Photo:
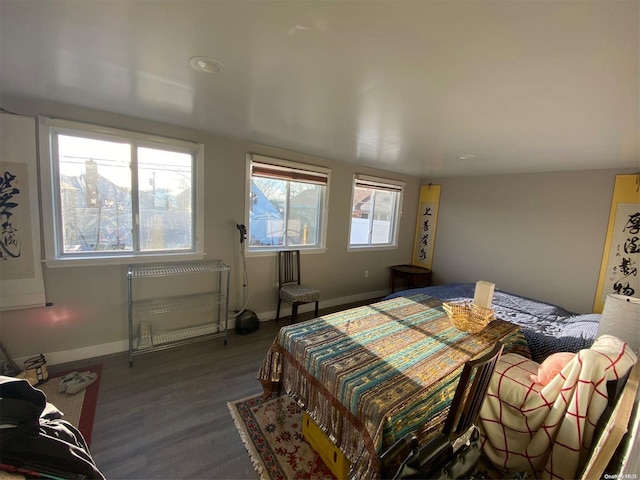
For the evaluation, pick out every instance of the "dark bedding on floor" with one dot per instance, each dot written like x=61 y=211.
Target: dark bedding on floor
x=547 y=328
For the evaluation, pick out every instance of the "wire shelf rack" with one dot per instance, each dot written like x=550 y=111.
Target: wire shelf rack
x=214 y=302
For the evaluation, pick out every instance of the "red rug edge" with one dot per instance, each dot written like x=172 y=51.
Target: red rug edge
x=88 y=413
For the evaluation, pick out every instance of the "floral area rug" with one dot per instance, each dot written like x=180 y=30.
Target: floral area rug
x=272 y=433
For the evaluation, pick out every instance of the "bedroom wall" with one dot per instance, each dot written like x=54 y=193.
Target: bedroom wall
x=88 y=316
x=539 y=235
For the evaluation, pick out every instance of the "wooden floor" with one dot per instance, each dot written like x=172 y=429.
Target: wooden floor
x=167 y=417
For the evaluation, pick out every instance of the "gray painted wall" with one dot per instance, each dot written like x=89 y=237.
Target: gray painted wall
x=89 y=315
x=540 y=235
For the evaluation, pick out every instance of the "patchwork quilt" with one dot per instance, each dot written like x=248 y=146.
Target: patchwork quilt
x=372 y=374
x=547 y=328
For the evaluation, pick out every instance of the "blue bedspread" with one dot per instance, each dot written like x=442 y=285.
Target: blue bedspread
x=547 y=328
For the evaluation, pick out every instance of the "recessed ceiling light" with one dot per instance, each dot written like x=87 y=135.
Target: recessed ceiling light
x=207 y=65
x=466 y=157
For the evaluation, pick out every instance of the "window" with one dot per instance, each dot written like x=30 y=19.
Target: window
x=375 y=212
x=119 y=194
x=287 y=204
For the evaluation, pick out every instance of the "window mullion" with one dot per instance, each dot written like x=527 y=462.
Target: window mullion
x=372 y=215
x=135 y=199
x=58 y=228
x=286 y=215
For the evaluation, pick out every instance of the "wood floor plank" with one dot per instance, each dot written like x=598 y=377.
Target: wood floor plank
x=167 y=417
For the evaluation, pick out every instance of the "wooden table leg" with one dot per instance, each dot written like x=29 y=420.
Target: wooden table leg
x=269 y=388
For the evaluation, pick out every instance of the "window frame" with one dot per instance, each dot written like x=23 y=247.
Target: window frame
x=50 y=188
x=302 y=168
x=361 y=180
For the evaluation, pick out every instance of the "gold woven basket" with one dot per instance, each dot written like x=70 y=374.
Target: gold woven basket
x=467 y=316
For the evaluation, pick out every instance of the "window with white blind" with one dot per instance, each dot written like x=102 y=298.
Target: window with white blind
x=287 y=204
x=116 y=196
x=375 y=212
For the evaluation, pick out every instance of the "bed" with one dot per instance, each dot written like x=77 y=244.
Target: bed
x=547 y=328
x=369 y=375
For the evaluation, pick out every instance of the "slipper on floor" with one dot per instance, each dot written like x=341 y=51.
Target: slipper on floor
x=82 y=381
x=62 y=386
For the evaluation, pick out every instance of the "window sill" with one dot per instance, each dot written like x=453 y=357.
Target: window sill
x=121 y=260
x=368 y=248
x=271 y=252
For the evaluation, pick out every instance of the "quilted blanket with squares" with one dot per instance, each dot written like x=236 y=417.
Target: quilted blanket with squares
x=547 y=431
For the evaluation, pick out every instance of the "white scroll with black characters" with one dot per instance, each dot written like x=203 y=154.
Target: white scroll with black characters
x=426 y=225
x=21 y=281
x=621 y=257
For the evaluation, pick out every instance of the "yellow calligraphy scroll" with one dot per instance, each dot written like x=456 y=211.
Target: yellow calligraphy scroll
x=426 y=225
x=621 y=257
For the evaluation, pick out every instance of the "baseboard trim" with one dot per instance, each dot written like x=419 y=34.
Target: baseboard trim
x=334 y=302
x=65 y=356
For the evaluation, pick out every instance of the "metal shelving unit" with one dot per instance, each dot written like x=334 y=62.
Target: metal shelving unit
x=143 y=338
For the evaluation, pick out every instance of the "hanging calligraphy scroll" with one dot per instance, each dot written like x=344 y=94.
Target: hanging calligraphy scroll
x=21 y=281
x=619 y=270
x=426 y=225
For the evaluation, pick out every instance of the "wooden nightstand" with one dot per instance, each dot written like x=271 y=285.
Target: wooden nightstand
x=414 y=275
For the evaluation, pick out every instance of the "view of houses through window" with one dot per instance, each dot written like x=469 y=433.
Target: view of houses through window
x=113 y=193
x=95 y=194
x=375 y=212
x=97 y=201
x=287 y=204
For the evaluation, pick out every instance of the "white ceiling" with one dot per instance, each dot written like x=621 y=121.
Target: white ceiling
x=407 y=86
